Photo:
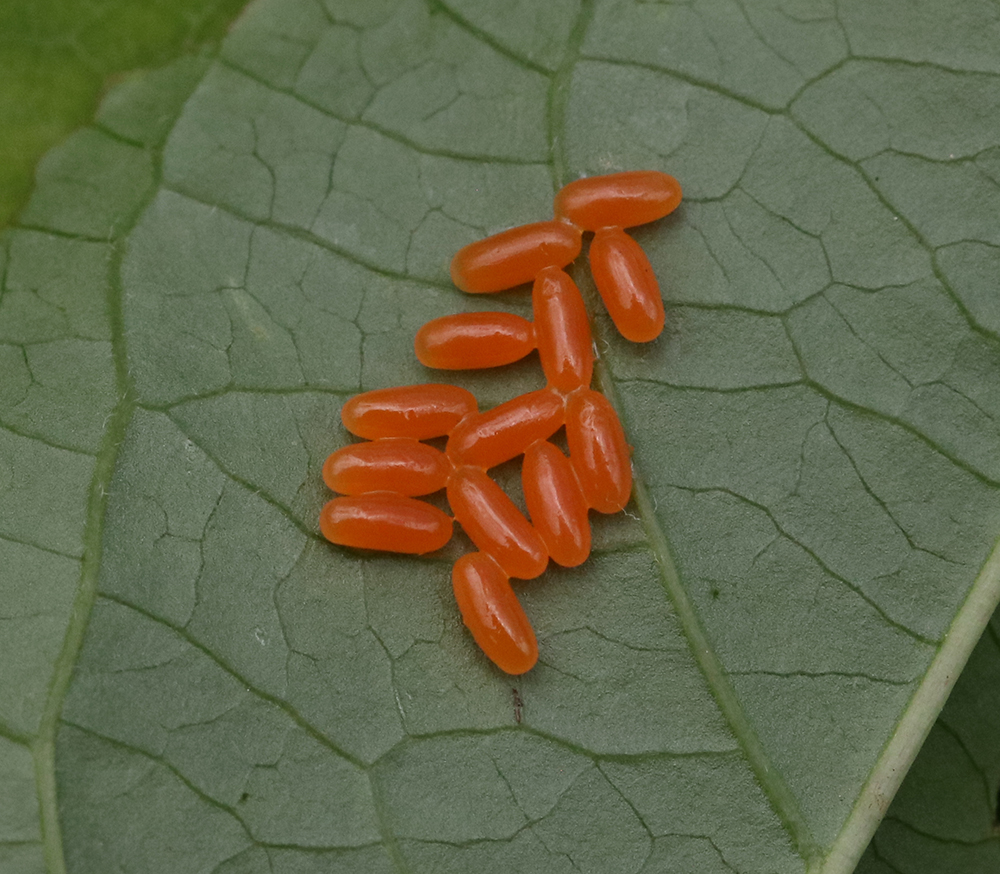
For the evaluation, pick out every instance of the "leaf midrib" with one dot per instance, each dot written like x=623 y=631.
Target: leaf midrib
x=772 y=782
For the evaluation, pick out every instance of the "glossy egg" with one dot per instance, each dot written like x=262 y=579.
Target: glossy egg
x=498 y=435
x=619 y=200
x=468 y=341
x=514 y=257
x=416 y=411
x=598 y=451
x=493 y=614
x=556 y=504
x=562 y=330
x=495 y=525
x=397 y=464
x=628 y=286
x=385 y=521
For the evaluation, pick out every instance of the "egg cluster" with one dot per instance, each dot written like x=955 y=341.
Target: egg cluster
x=383 y=478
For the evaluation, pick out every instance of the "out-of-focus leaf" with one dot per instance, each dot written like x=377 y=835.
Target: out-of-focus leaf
x=58 y=55
x=945 y=817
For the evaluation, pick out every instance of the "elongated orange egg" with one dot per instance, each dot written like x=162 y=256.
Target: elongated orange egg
x=562 y=330
x=619 y=200
x=515 y=256
x=493 y=614
x=385 y=521
x=468 y=341
x=556 y=504
x=628 y=286
x=495 y=525
x=498 y=435
x=598 y=451
x=417 y=411
x=396 y=464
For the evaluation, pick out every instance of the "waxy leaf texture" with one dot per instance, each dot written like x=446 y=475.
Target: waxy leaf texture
x=737 y=679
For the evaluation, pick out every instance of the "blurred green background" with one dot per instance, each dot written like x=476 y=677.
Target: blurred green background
x=57 y=57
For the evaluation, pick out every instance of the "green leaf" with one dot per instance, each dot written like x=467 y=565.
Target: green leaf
x=737 y=679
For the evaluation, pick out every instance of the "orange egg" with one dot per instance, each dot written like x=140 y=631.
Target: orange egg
x=619 y=200
x=498 y=435
x=628 y=286
x=468 y=341
x=417 y=411
x=556 y=504
x=598 y=451
x=396 y=464
x=493 y=614
x=562 y=330
x=385 y=521
x=495 y=525
x=514 y=257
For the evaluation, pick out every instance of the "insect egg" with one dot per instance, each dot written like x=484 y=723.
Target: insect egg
x=556 y=504
x=385 y=521
x=495 y=525
x=417 y=411
x=398 y=464
x=514 y=257
x=498 y=435
x=628 y=286
x=468 y=341
x=598 y=451
x=493 y=614
x=619 y=200
x=562 y=330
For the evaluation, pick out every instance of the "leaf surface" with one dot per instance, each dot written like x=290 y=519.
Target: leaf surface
x=738 y=677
